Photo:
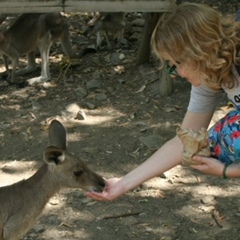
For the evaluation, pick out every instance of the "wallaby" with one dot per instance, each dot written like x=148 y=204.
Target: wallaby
x=32 y=30
x=22 y=203
x=113 y=22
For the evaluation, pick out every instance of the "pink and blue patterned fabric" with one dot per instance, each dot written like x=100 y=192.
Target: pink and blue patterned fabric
x=224 y=138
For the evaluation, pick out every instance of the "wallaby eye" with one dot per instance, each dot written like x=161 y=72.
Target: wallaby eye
x=78 y=173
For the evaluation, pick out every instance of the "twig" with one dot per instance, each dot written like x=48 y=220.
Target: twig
x=151 y=80
x=66 y=225
x=61 y=71
x=216 y=217
x=121 y=215
x=98 y=64
x=65 y=72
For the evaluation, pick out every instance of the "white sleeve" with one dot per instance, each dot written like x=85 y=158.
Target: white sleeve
x=204 y=99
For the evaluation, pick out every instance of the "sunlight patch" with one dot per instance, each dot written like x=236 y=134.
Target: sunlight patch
x=90 y=117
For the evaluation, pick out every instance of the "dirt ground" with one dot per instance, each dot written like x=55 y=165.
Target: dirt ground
x=115 y=120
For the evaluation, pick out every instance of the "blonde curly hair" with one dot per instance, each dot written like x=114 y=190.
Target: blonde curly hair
x=198 y=34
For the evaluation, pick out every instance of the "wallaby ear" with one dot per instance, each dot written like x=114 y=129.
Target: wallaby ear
x=54 y=155
x=57 y=135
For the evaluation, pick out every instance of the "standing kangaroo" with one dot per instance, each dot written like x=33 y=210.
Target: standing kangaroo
x=31 y=31
x=22 y=203
x=113 y=22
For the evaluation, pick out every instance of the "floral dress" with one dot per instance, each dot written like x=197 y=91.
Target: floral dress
x=224 y=138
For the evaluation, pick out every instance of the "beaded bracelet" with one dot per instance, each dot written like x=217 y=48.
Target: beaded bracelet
x=224 y=170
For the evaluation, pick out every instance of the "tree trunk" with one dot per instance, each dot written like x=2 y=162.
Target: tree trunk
x=144 y=52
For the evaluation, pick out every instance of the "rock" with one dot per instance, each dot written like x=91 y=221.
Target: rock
x=208 y=200
x=93 y=84
x=80 y=115
x=81 y=92
x=152 y=141
x=38 y=228
x=101 y=97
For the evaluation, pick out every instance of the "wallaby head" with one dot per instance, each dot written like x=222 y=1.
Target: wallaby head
x=69 y=170
x=111 y=21
x=93 y=26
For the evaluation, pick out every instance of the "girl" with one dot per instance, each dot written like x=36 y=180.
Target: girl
x=199 y=45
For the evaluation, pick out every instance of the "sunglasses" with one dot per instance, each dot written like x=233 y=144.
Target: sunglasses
x=171 y=70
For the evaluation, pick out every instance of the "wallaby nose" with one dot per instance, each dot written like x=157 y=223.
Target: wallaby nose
x=101 y=185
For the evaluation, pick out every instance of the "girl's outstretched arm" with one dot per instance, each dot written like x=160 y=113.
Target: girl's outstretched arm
x=165 y=158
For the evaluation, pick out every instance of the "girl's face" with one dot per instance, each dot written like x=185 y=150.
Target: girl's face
x=184 y=70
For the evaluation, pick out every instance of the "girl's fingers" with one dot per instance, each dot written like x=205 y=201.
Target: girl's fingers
x=200 y=159
x=98 y=196
x=93 y=195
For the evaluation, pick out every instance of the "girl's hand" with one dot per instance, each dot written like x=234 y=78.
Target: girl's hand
x=112 y=190
x=208 y=165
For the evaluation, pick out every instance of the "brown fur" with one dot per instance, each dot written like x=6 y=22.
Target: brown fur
x=22 y=203
x=31 y=31
x=113 y=22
